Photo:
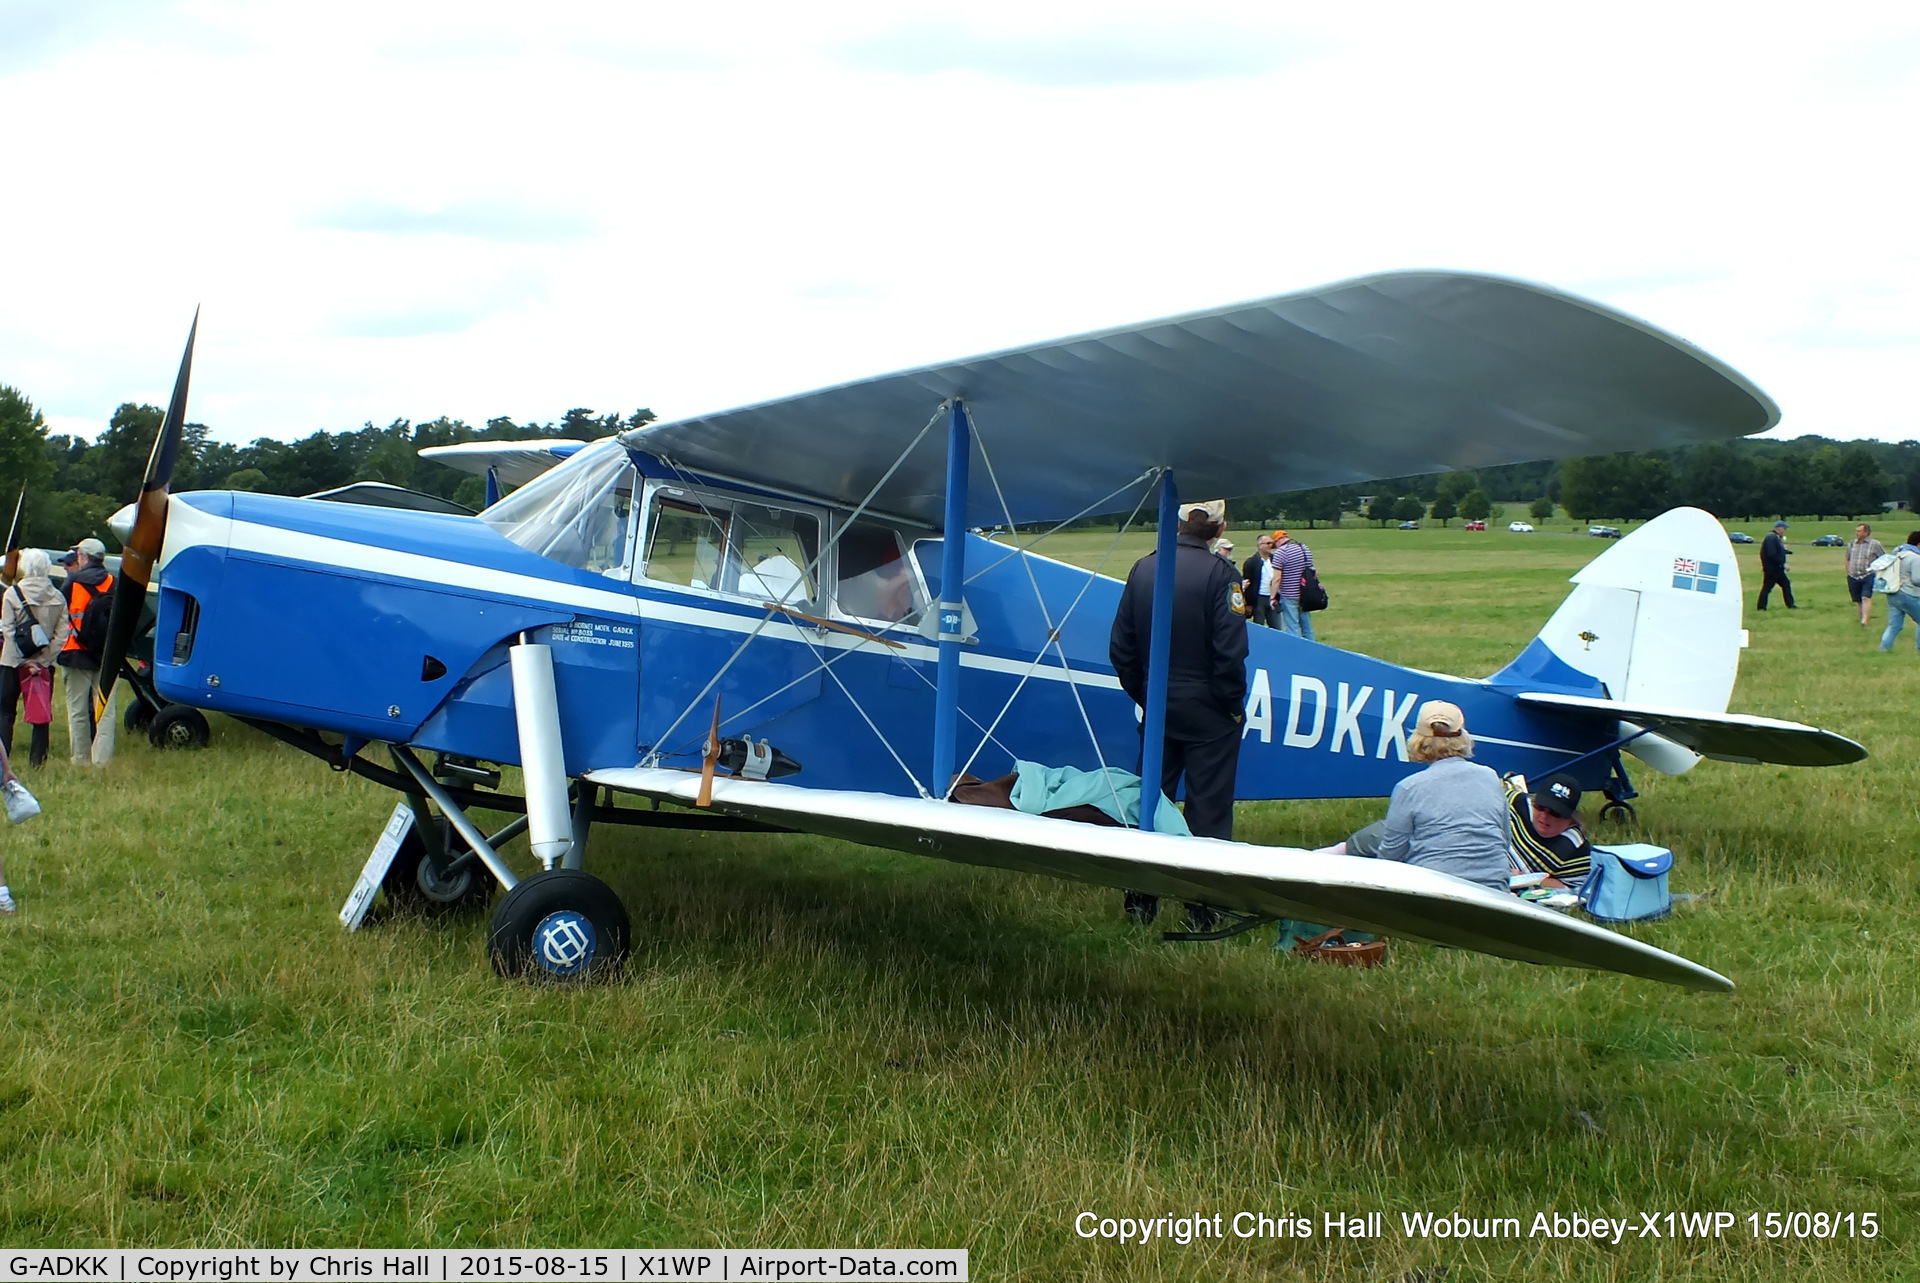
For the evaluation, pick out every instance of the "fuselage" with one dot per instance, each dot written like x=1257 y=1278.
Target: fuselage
x=654 y=592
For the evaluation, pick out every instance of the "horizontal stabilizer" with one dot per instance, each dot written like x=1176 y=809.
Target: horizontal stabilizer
x=514 y=462
x=1725 y=737
x=1377 y=895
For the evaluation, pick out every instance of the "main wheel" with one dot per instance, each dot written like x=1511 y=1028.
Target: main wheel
x=138 y=717
x=178 y=726
x=1619 y=812
x=562 y=925
x=412 y=882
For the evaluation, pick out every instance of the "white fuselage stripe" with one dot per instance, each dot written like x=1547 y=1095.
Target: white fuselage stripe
x=188 y=527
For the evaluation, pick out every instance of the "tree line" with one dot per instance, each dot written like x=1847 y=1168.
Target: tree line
x=73 y=485
x=1743 y=479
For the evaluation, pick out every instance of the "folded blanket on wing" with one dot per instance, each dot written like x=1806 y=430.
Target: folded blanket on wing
x=1109 y=797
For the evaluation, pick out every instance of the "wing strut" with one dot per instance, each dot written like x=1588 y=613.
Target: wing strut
x=1159 y=650
x=953 y=574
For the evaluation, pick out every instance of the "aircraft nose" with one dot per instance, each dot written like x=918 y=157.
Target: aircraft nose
x=121 y=522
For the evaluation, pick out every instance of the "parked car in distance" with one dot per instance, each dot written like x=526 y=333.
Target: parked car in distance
x=1604 y=532
x=1740 y=536
x=1830 y=541
x=1520 y=527
x=1476 y=525
x=1409 y=525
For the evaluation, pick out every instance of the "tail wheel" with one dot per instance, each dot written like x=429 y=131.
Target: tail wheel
x=178 y=726
x=412 y=881
x=564 y=926
x=1619 y=812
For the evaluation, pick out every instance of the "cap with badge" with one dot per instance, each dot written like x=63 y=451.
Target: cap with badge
x=1558 y=795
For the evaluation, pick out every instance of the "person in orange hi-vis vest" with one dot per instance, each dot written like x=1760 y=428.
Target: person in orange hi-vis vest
x=87 y=578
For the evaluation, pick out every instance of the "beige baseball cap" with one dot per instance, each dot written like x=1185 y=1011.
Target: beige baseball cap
x=1438 y=717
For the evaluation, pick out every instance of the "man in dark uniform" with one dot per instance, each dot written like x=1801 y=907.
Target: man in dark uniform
x=1773 y=565
x=1206 y=679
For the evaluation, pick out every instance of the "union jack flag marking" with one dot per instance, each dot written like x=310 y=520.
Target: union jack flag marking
x=1685 y=566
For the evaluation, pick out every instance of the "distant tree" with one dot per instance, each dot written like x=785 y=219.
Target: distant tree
x=1860 y=484
x=1647 y=486
x=1595 y=486
x=1314 y=506
x=1541 y=508
x=116 y=463
x=1719 y=481
x=1409 y=508
x=23 y=447
x=246 y=479
x=1783 y=485
x=1455 y=486
x=1381 y=509
x=63 y=518
x=1444 y=509
x=1476 y=506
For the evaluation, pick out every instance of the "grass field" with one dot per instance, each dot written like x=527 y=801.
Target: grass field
x=823 y=1045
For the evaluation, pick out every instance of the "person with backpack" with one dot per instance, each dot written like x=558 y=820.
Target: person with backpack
x=89 y=591
x=1292 y=564
x=33 y=629
x=1903 y=602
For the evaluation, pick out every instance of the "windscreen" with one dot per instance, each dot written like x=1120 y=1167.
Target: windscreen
x=578 y=514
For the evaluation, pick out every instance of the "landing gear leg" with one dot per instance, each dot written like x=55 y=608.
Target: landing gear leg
x=583 y=799
x=1619 y=790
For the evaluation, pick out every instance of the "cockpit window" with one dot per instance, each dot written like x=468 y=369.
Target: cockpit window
x=699 y=539
x=685 y=545
x=875 y=581
x=579 y=513
x=774 y=551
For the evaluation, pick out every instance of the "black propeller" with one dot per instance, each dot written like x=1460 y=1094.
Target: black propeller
x=12 y=568
x=142 y=548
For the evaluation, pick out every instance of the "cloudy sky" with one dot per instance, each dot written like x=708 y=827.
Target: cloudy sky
x=402 y=209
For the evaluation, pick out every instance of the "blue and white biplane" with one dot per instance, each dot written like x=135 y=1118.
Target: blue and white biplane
x=777 y=617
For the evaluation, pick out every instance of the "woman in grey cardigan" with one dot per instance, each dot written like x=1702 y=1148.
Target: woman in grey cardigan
x=1451 y=817
x=31 y=600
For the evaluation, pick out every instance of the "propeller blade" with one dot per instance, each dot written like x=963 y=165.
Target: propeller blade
x=12 y=568
x=143 y=543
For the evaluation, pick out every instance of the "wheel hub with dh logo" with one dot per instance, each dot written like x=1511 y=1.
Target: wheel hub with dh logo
x=565 y=943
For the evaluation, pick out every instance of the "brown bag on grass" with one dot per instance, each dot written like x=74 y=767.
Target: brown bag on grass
x=1329 y=947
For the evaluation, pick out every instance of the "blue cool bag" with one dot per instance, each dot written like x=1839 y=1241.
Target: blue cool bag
x=1628 y=883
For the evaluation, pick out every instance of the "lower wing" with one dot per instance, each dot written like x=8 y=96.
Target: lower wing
x=1726 y=737
x=1375 y=895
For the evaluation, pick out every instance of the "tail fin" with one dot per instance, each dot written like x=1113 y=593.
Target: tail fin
x=1657 y=616
x=1654 y=620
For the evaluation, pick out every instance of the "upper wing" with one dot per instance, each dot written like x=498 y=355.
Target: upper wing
x=1378 y=895
x=379 y=494
x=1389 y=375
x=1727 y=737
x=514 y=462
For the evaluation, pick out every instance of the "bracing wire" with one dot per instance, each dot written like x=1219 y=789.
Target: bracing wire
x=1038 y=658
x=885 y=743
x=1096 y=506
x=807 y=576
x=1053 y=631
